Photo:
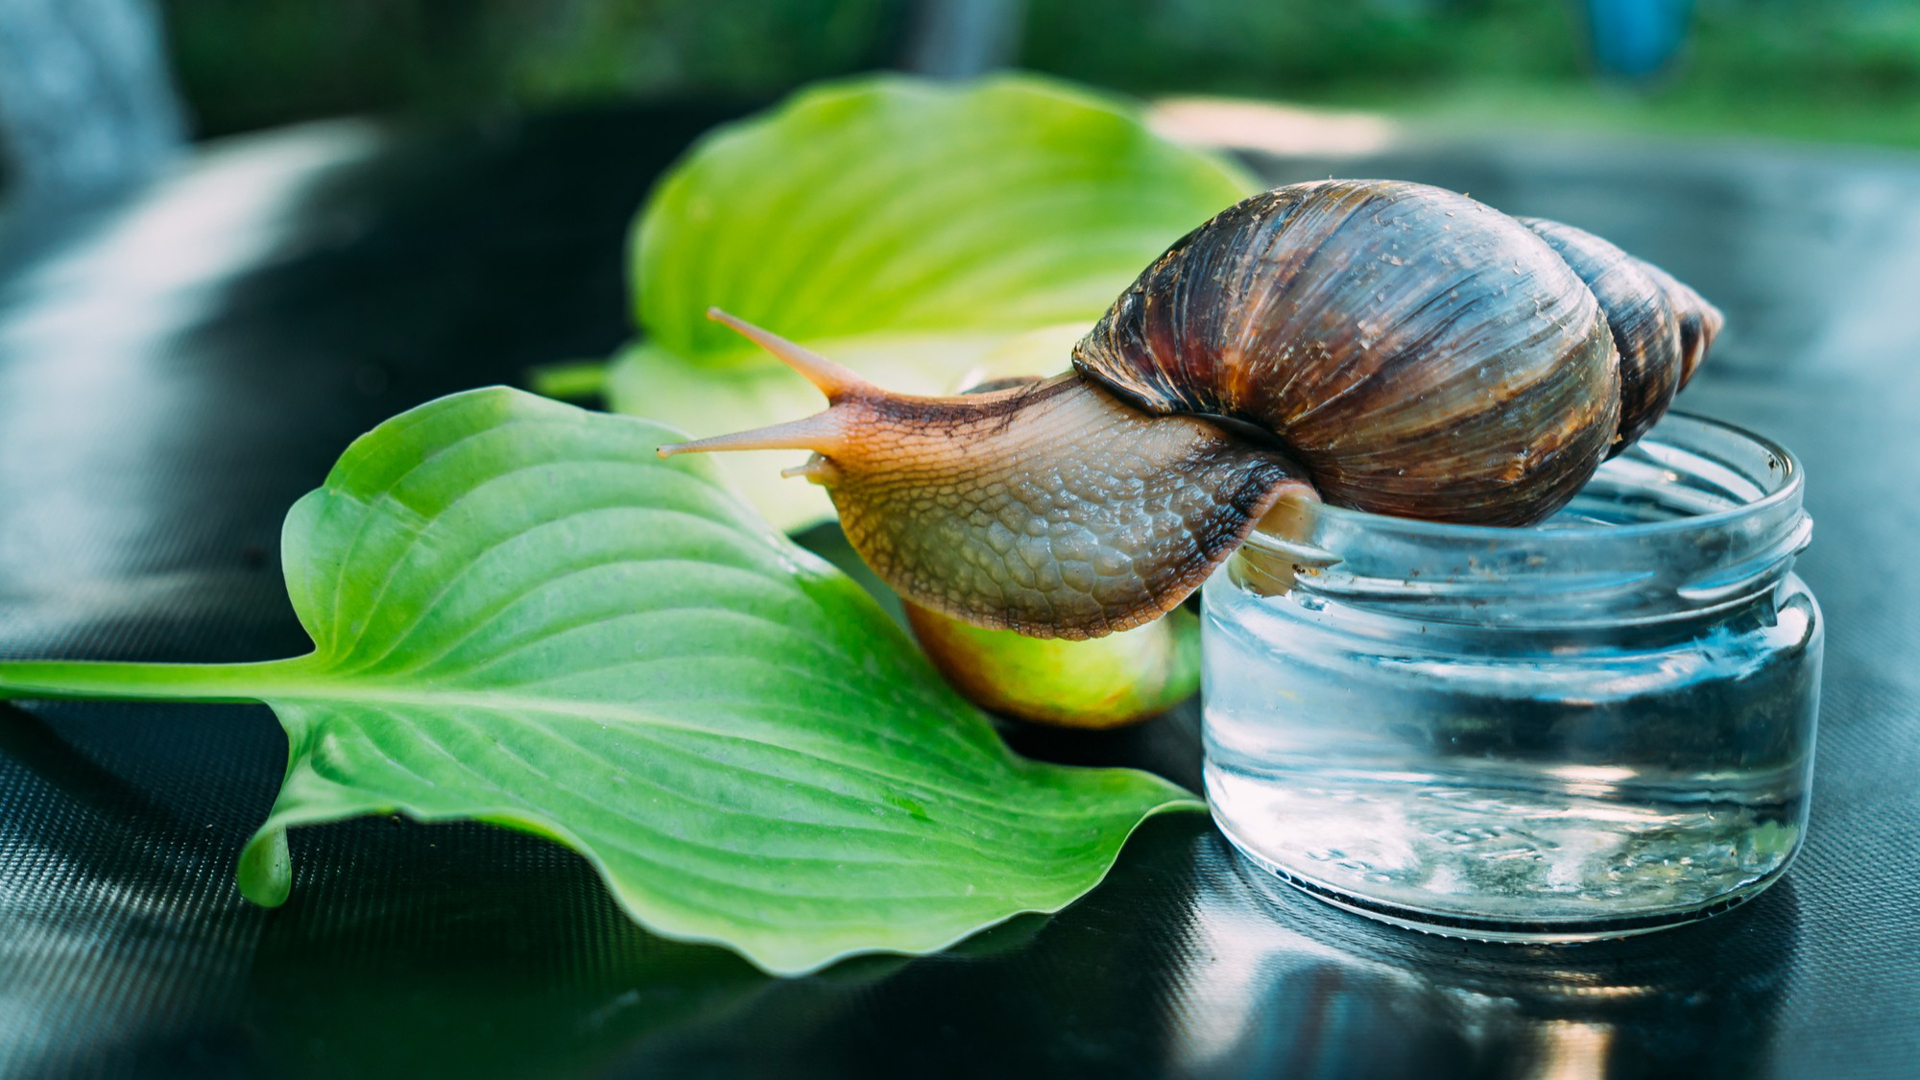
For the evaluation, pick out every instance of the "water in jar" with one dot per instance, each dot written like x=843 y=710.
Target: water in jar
x=1537 y=785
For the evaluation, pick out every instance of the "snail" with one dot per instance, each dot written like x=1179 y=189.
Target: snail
x=1383 y=345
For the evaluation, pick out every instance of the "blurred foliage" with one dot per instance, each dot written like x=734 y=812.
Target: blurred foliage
x=1839 y=70
x=251 y=63
x=1301 y=48
x=1836 y=70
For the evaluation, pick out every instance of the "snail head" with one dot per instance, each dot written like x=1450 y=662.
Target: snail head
x=1050 y=508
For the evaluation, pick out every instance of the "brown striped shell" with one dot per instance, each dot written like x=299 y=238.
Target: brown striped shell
x=1382 y=345
x=1417 y=352
x=1661 y=328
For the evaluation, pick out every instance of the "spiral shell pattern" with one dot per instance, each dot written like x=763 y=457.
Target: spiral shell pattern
x=1418 y=353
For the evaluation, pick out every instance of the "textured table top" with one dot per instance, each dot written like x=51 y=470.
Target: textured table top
x=176 y=368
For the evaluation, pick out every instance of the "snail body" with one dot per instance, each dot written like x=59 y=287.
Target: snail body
x=1383 y=345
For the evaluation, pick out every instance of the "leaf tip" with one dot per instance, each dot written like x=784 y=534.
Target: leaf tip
x=265 y=873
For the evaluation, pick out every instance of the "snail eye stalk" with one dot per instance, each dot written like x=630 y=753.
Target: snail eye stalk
x=1401 y=349
x=823 y=433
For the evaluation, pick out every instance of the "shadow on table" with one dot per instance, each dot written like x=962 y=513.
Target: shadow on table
x=471 y=951
x=468 y=951
x=120 y=931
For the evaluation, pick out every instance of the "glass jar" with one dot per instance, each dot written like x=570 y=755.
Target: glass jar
x=1594 y=727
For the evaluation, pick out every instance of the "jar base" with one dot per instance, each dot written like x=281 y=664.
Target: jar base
x=1500 y=930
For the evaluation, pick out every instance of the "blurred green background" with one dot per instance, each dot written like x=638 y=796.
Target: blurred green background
x=1831 y=71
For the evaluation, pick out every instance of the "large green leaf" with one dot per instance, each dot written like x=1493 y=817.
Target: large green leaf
x=916 y=232
x=521 y=615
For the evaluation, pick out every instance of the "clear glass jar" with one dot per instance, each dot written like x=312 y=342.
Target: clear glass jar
x=1595 y=727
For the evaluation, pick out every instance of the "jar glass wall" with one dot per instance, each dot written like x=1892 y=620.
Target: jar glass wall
x=1594 y=727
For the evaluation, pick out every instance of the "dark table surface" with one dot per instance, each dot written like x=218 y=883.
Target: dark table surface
x=178 y=366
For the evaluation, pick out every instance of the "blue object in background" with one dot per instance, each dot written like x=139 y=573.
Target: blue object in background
x=87 y=101
x=1635 y=39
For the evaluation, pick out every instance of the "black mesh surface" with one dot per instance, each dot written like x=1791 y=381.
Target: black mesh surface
x=177 y=368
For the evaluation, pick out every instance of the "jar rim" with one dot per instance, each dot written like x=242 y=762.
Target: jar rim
x=1698 y=516
x=1790 y=489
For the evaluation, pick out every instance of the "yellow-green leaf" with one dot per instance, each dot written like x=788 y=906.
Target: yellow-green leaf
x=917 y=232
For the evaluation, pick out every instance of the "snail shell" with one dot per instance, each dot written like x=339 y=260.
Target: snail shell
x=1377 y=344
x=1418 y=353
x=1660 y=327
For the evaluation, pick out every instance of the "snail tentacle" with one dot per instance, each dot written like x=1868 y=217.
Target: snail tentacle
x=1399 y=349
x=1050 y=508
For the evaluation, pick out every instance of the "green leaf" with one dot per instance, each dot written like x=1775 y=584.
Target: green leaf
x=1102 y=682
x=522 y=616
x=914 y=231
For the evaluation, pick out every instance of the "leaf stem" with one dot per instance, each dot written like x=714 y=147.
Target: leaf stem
x=580 y=381
x=125 y=681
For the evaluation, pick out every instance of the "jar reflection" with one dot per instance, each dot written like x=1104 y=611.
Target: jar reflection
x=1278 y=985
